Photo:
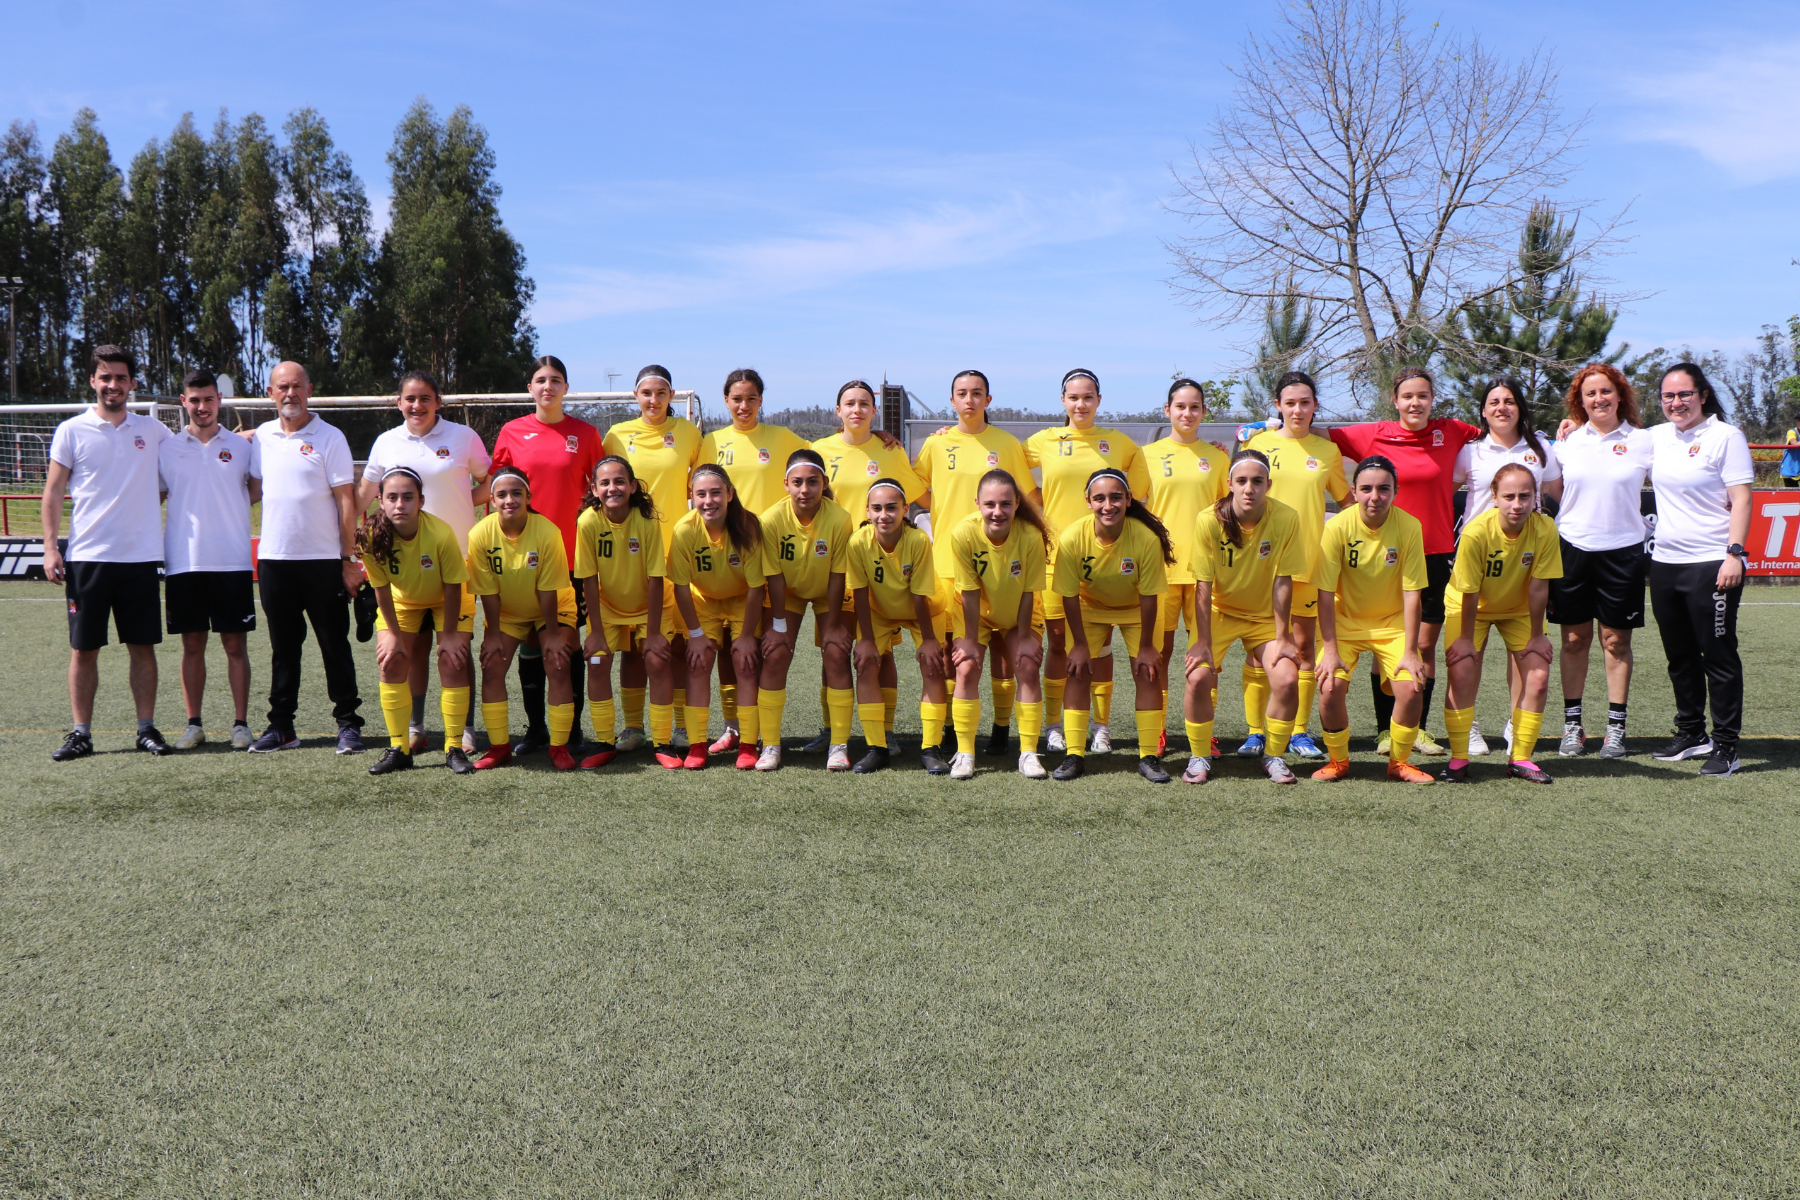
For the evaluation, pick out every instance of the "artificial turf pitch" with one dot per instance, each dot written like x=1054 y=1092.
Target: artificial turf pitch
x=225 y=975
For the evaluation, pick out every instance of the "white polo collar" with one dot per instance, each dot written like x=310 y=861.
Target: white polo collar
x=313 y=419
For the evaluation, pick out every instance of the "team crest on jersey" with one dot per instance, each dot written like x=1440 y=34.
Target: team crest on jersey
x=138 y=442
x=1530 y=459
x=1392 y=556
x=443 y=452
x=306 y=448
x=1205 y=465
x=993 y=459
x=821 y=548
x=906 y=570
x=1018 y=568
x=762 y=456
x=668 y=441
x=1437 y=437
x=631 y=545
x=572 y=443
x=1526 y=559
x=1620 y=449
x=732 y=560
x=1262 y=550
x=531 y=559
x=1693 y=451
x=1127 y=566
x=224 y=456
x=425 y=562
x=1312 y=464
x=874 y=470
x=1105 y=446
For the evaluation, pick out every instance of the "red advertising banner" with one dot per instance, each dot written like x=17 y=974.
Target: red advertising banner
x=1774 y=542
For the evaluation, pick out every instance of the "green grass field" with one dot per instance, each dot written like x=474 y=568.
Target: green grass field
x=232 y=976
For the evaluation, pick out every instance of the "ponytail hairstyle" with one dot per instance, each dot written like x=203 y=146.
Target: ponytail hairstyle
x=1080 y=373
x=640 y=499
x=1709 y=399
x=888 y=481
x=1135 y=510
x=744 y=375
x=1222 y=509
x=1521 y=403
x=1509 y=468
x=377 y=532
x=1184 y=382
x=1026 y=510
x=807 y=456
x=1376 y=462
x=653 y=371
x=742 y=528
x=854 y=383
x=425 y=378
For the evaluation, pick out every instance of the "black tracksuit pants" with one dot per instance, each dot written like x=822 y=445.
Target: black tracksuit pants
x=1699 y=635
x=295 y=591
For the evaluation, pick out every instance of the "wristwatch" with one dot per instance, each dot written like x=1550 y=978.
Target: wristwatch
x=1736 y=549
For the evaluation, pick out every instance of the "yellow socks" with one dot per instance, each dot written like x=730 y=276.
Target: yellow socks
x=662 y=724
x=840 y=703
x=495 y=719
x=1102 y=705
x=890 y=700
x=965 y=716
x=696 y=720
x=1456 y=724
x=396 y=710
x=1279 y=733
x=872 y=714
x=1150 y=726
x=1053 y=694
x=1309 y=686
x=1256 y=696
x=1526 y=726
x=728 y=701
x=678 y=707
x=601 y=713
x=1031 y=724
x=1404 y=736
x=561 y=719
x=931 y=723
x=634 y=707
x=1075 y=729
x=454 y=704
x=1006 y=692
x=1199 y=738
x=1337 y=744
x=750 y=723
x=770 y=704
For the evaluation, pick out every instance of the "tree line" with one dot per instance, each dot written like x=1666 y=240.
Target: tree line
x=240 y=248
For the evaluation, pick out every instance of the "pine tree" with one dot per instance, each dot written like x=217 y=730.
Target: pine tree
x=27 y=251
x=1287 y=330
x=87 y=196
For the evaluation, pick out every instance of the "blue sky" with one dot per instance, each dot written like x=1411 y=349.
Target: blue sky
x=833 y=190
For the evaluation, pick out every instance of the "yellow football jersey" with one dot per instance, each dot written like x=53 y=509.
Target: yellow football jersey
x=623 y=557
x=662 y=457
x=1003 y=573
x=893 y=579
x=1185 y=480
x=418 y=569
x=807 y=556
x=1065 y=457
x=1302 y=471
x=851 y=469
x=1243 y=577
x=715 y=568
x=952 y=464
x=1109 y=579
x=756 y=461
x=1371 y=569
x=1500 y=568
x=517 y=569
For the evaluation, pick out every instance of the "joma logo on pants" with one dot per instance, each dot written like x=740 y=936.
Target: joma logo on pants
x=1718 y=614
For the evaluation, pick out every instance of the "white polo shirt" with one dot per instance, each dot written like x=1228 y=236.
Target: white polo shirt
x=1477 y=462
x=299 y=516
x=449 y=458
x=208 y=490
x=112 y=480
x=1693 y=471
x=1603 y=478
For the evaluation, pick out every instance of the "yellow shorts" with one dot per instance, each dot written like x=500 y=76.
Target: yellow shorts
x=1173 y=606
x=1305 y=602
x=723 y=620
x=1228 y=628
x=1099 y=635
x=1387 y=645
x=988 y=628
x=1514 y=631
x=412 y=619
x=520 y=628
x=795 y=615
x=887 y=633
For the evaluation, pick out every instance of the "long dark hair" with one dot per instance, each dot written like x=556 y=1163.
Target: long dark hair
x=1184 y=382
x=640 y=499
x=1222 y=509
x=1135 y=510
x=1026 y=511
x=905 y=509
x=1521 y=403
x=377 y=532
x=1709 y=399
x=742 y=528
x=812 y=458
x=855 y=383
x=551 y=361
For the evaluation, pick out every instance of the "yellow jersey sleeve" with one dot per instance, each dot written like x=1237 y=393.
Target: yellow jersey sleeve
x=552 y=560
x=1331 y=554
x=1471 y=556
x=452 y=560
x=1203 y=550
x=482 y=563
x=1137 y=470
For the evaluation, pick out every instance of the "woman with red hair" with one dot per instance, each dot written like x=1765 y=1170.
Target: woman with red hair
x=1606 y=459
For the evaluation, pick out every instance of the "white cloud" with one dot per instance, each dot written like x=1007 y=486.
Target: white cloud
x=1734 y=107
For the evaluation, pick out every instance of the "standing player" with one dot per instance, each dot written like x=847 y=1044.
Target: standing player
x=1111 y=574
x=1065 y=457
x=663 y=450
x=1247 y=549
x=1423 y=450
x=453 y=464
x=893 y=586
x=619 y=568
x=106 y=458
x=419 y=571
x=558 y=453
x=306 y=569
x=716 y=566
x=952 y=463
x=1504 y=565
x=1371 y=573
x=516 y=566
x=1304 y=469
x=210 y=481
x=997 y=555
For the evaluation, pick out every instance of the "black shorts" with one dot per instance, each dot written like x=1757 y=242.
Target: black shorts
x=1438 y=568
x=1602 y=585
x=126 y=591
x=211 y=601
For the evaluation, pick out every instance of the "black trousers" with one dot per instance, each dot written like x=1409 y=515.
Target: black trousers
x=295 y=591
x=1699 y=635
